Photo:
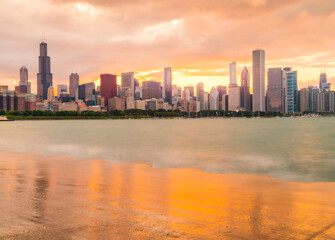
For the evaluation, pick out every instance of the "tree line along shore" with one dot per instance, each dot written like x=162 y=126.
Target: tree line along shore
x=146 y=114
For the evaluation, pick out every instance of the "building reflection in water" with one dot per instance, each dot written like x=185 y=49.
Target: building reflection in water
x=97 y=199
x=40 y=197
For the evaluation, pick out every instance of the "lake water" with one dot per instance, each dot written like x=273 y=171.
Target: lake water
x=168 y=179
x=286 y=149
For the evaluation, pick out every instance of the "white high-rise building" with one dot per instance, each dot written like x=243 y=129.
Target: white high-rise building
x=232 y=73
x=258 y=66
x=127 y=82
x=214 y=99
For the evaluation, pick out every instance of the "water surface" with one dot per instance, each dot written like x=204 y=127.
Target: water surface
x=65 y=198
x=287 y=149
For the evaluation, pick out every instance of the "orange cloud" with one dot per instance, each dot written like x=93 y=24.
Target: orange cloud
x=197 y=40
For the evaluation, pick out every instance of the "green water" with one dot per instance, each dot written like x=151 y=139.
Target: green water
x=287 y=149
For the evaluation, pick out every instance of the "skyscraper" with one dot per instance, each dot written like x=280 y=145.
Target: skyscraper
x=291 y=91
x=74 y=83
x=168 y=84
x=258 y=65
x=245 y=89
x=108 y=86
x=232 y=73
x=44 y=77
x=323 y=80
x=304 y=100
x=234 y=91
x=213 y=99
x=313 y=98
x=234 y=97
x=200 y=95
x=127 y=83
x=151 y=89
x=24 y=85
x=191 y=89
x=61 y=89
x=222 y=91
x=275 y=95
x=23 y=76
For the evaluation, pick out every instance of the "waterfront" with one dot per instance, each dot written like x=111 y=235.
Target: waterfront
x=168 y=179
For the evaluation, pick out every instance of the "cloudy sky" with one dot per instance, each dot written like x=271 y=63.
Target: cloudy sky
x=196 y=38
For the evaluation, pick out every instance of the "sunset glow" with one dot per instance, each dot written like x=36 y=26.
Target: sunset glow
x=197 y=41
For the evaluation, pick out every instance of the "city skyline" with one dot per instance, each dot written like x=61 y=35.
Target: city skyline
x=196 y=51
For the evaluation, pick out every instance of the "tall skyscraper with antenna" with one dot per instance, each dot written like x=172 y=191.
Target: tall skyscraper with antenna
x=323 y=85
x=44 y=76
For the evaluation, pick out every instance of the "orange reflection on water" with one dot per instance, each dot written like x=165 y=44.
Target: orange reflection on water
x=64 y=197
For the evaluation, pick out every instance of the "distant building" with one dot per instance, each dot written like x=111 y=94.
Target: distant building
x=191 y=90
x=69 y=106
x=108 y=87
x=325 y=87
x=176 y=95
x=168 y=85
x=74 y=84
x=140 y=104
x=151 y=89
x=116 y=103
x=155 y=104
x=222 y=91
x=213 y=99
x=323 y=80
x=30 y=102
x=326 y=101
x=206 y=99
x=51 y=94
x=245 y=89
x=23 y=76
x=275 y=95
x=304 y=100
x=3 y=88
x=291 y=91
x=61 y=89
x=13 y=101
x=130 y=103
x=200 y=95
x=232 y=73
x=313 y=93
x=44 y=77
x=224 y=103
x=127 y=82
x=21 y=89
x=234 y=97
x=86 y=92
x=137 y=90
x=258 y=65
x=24 y=85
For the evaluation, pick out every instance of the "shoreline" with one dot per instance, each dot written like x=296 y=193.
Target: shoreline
x=18 y=118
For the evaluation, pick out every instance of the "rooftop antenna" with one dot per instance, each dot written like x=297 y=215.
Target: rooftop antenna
x=43 y=37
